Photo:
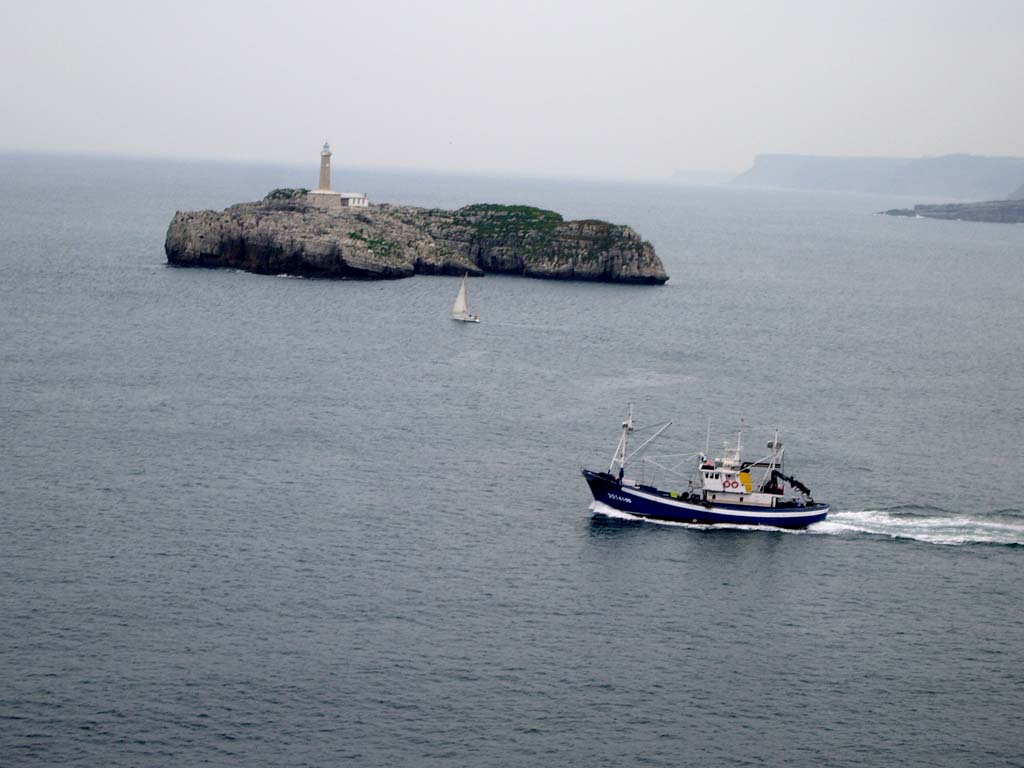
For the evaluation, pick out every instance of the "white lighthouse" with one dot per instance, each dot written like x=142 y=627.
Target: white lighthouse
x=324 y=197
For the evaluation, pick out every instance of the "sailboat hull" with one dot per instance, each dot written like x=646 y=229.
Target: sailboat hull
x=466 y=319
x=648 y=501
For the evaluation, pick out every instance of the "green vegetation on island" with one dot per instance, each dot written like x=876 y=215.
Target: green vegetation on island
x=286 y=193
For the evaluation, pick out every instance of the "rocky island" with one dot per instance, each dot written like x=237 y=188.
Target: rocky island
x=287 y=232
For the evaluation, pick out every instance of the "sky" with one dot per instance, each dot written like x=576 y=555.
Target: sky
x=591 y=89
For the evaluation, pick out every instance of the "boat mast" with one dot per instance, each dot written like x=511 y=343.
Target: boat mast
x=620 y=450
x=623 y=456
x=776 y=457
x=646 y=442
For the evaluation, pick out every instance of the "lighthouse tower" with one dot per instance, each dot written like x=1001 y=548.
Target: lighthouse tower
x=324 y=197
x=325 y=169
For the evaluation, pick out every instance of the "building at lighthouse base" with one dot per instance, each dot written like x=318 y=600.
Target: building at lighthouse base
x=326 y=198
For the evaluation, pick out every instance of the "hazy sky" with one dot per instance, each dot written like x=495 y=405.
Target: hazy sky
x=590 y=88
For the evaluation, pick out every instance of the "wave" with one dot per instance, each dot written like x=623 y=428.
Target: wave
x=929 y=525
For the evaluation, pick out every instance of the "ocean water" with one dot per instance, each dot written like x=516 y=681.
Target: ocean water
x=264 y=521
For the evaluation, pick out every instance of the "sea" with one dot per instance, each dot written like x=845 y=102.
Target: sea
x=272 y=521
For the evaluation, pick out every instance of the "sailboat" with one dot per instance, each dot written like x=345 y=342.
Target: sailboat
x=460 y=309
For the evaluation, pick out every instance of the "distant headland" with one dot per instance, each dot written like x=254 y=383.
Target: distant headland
x=963 y=177
x=322 y=233
x=1009 y=211
x=996 y=211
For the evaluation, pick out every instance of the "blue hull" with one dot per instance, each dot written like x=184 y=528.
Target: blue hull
x=647 y=501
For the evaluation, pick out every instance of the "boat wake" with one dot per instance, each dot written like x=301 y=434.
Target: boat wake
x=931 y=526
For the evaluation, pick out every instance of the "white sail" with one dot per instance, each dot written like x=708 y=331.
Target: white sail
x=460 y=309
x=461 y=306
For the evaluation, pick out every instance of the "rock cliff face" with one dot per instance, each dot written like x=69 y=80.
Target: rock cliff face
x=282 y=234
x=1000 y=211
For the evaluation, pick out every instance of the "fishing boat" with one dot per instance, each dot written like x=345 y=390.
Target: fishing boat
x=721 y=490
x=460 y=309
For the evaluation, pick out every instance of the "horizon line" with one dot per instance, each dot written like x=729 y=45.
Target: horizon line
x=112 y=155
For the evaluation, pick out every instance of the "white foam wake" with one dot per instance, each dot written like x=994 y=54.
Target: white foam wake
x=950 y=529
x=947 y=529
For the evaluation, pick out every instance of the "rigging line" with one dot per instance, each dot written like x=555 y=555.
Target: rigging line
x=661 y=424
x=648 y=441
x=673 y=456
x=670 y=470
x=667 y=456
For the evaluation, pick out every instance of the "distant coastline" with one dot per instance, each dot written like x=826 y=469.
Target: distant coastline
x=994 y=211
x=956 y=177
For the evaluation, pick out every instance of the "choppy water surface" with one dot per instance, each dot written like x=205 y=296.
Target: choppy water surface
x=258 y=521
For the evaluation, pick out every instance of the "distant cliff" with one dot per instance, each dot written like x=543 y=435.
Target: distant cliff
x=998 y=211
x=283 y=234
x=967 y=177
